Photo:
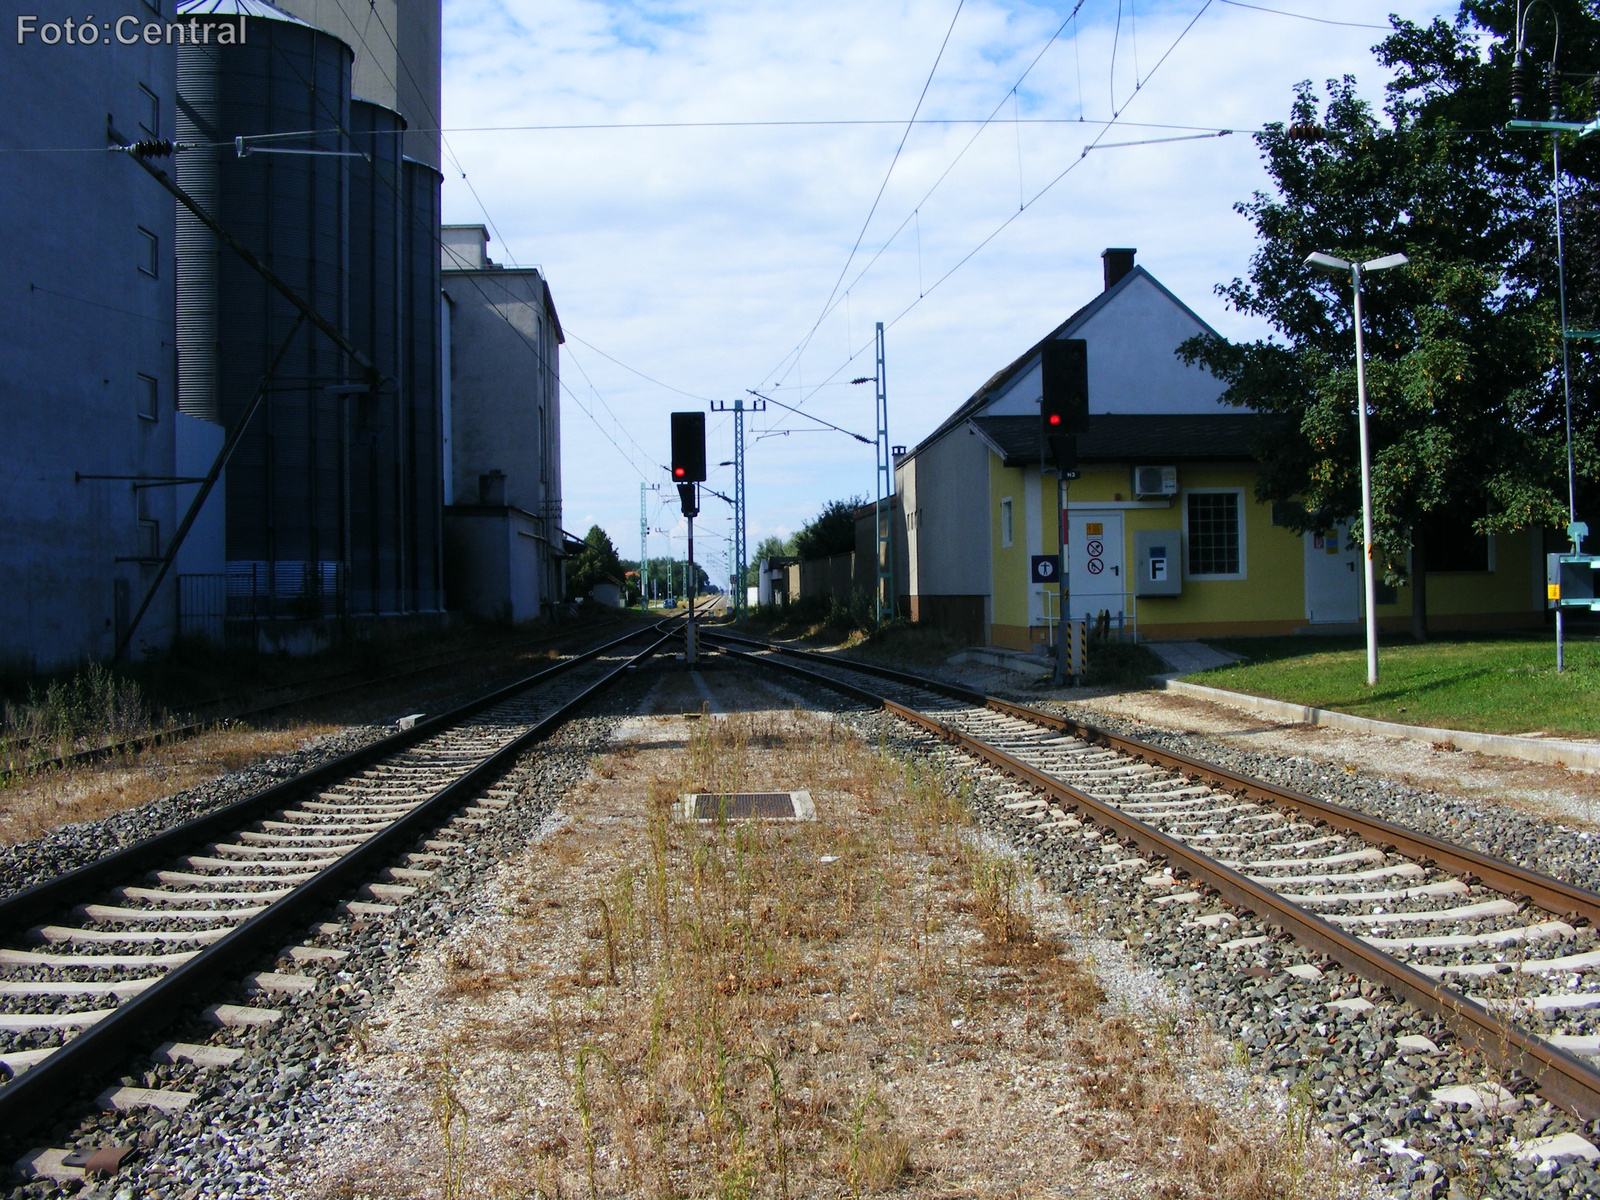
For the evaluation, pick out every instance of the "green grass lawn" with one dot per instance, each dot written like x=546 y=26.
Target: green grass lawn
x=1505 y=683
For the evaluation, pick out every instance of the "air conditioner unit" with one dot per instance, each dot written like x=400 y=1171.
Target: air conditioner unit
x=1155 y=481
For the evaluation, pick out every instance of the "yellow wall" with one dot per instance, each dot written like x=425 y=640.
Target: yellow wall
x=1505 y=596
x=1009 y=584
x=1271 y=596
x=1270 y=599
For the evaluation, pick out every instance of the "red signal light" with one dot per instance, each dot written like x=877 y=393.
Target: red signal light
x=1055 y=418
x=678 y=473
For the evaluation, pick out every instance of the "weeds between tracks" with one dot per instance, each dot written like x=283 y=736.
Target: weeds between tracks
x=875 y=1002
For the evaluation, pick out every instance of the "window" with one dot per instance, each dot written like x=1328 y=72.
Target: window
x=149 y=538
x=1214 y=533
x=149 y=112
x=1449 y=543
x=1005 y=521
x=148 y=398
x=149 y=252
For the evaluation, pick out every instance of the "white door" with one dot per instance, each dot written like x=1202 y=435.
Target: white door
x=1333 y=576
x=1098 y=579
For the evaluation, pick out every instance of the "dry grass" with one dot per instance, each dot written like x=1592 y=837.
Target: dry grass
x=862 y=1005
x=33 y=804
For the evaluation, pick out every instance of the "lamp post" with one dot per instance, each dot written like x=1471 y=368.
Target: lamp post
x=1328 y=262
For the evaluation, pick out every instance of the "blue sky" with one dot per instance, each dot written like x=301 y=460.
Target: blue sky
x=704 y=258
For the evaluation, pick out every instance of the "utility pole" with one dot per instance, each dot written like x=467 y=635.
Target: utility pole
x=644 y=534
x=1576 y=530
x=884 y=511
x=736 y=560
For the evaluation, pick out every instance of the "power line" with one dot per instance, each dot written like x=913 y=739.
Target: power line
x=1077 y=162
x=844 y=270
x=634 y=370
x=1278 y=12
x=1070 y=18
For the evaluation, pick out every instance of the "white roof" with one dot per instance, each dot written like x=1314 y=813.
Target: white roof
x=237 y=8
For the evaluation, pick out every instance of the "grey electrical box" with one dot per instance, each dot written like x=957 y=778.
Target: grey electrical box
x=1572 y=581
x=1158 y=559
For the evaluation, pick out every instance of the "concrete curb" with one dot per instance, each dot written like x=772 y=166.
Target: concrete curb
x=1582 y=755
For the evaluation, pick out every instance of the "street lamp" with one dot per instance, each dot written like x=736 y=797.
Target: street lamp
x=1328 y=262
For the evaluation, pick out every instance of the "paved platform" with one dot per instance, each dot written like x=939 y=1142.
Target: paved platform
x=1184 y=658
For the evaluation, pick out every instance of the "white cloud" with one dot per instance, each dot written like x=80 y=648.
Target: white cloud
x=702 y=257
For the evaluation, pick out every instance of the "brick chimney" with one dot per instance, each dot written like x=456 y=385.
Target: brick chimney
x=1118 y=262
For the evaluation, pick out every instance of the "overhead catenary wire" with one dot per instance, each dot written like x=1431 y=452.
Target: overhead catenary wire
x=999 y=229
x=872 y=211
x=1278 y=12
x=1071 y=19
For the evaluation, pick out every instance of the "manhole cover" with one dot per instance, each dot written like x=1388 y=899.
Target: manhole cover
x=749 y=806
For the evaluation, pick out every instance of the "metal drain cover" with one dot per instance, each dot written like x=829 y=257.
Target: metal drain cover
x=748 y=806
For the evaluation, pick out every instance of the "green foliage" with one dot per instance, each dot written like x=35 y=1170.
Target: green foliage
x=1463 y=345
x=596 y=563
x=772 y=547
x=831 y=531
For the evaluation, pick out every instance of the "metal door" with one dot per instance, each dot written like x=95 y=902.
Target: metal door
x=1333 y=577
x=1098 y=582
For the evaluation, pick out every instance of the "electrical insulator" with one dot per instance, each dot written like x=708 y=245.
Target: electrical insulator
x=1518 y=83
x=160 y=149
x=1308 y=133
x=1553 y=84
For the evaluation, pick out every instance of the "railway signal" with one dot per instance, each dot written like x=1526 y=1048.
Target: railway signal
x=1064 y=399
x=688 y=469
x=688 y=447
x=1063 y=415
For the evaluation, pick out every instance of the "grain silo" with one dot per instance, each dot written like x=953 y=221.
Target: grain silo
x=332 y=495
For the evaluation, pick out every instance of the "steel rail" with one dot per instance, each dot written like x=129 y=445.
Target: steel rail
x=60 y=1078
x=1553 y=895
x=1565 y=1081
x=26 y=907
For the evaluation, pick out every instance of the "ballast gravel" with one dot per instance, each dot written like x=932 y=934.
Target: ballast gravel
x=241 y=1137
x=73 y=846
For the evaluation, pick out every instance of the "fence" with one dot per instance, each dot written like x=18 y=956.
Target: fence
x=229 y=607
x=1101 y=622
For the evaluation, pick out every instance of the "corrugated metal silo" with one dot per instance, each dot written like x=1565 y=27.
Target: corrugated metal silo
x=287 y=501
x=378 y=476
x=424 y=566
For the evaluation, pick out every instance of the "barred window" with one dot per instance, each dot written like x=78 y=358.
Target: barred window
x=1213 y=533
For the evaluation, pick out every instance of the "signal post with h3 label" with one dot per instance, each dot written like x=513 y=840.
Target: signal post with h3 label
x=1063 y=415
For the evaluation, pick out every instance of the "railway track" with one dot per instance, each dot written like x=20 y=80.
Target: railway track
x=225 y=711
x=1506 y=957
x=95 y=964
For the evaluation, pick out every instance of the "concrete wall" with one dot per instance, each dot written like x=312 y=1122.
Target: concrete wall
x=397 y=47
x=80 y=322
x=946 y=490
x=504 y=412
x=493 y=569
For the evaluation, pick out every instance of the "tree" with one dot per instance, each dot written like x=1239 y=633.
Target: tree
x=1463 y=348
x=596 y=563
x=831 y=531
x=771 y=546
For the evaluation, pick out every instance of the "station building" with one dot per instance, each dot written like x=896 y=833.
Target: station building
x=1166 y=537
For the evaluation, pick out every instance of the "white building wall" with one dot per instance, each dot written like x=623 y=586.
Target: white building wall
x=1133 y=366
x=947 y=502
